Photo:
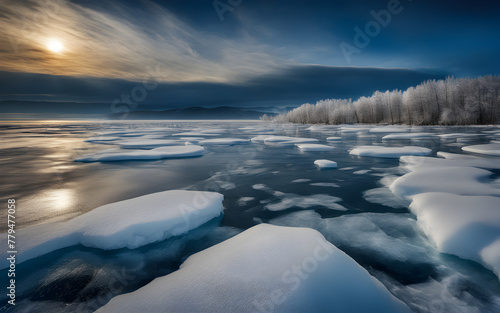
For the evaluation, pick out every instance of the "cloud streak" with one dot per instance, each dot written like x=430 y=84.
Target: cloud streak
x=112 y=40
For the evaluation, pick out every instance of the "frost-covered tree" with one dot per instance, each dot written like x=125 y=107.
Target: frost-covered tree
x=453 y=101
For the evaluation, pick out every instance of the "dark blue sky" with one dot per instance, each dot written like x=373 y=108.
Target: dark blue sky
x=239 y=53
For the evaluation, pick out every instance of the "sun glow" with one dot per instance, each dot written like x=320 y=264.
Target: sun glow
x=55 y=45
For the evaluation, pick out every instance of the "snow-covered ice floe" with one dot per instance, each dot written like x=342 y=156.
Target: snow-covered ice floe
x=456 y=203
x=325 y=164
x=129 y=224
x=149 y=143
x=409 y=136
x=453 y=179
x=334 y=139
x=313 y=147
x=466 y=226
x=389 y=129
x=224 y=141
x=154 y=154
x=488 y=149
x=449 y=159
x=264 y=269
x=285 y=140
x=389 y=152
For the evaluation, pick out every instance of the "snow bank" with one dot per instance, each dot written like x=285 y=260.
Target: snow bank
x=389 y=152
x=313 y=147
x=488 y=149
x=264 y=269
x=325 y=164
x=224 y=141
x=461 y=225
x=409 y=136
x=154 y=154
x=125 y=224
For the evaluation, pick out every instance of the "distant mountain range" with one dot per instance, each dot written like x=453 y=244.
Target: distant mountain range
x=148 y=111
x=196 y=113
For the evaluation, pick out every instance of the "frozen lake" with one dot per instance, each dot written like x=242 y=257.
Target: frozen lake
x=267 y=174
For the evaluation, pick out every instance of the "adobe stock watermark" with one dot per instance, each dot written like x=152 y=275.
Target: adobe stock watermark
x=222 y=6
x=363 y=37
x=293 y=277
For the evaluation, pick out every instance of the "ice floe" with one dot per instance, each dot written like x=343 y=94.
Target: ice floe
x=488 y=149
x=452 y=179
x=129 y=224
x=461 y=225
x=313 y=147
x=334 y=139
x=409 y=136
x=325 y=164
x=224 y=141
x=450 y=159
x=302 y=272
x=389 y=152
x=285 y=140
x=389 y=129
x=149 y=143
x=154 y=154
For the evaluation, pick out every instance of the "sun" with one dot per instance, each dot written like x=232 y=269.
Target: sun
x=55 y=45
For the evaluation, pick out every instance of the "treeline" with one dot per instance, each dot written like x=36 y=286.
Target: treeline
x=453 y=101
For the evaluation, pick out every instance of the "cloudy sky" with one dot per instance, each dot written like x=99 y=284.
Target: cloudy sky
x=179 y=53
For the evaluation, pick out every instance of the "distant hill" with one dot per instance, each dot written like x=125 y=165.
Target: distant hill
x=196 y=113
